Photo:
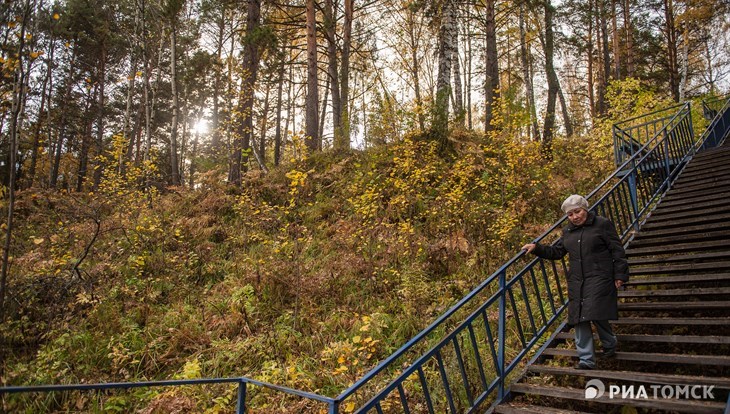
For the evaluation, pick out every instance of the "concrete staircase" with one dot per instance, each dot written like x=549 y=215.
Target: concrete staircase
x=675 y=312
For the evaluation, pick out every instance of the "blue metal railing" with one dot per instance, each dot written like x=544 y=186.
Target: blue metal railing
x=243 y=384
x=712 y=106
x=630 y=135
x=716 y=111
x=508 y=316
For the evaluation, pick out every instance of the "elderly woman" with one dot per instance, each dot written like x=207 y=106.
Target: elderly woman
x=598 y=267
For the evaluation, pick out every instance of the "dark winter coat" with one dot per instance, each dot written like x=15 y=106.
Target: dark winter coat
x=597 y=259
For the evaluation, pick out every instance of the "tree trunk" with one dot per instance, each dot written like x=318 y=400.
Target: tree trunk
x=126 y=131
x=174 y=171
x=101 y=102
x=216 y=135
x=53 y=180
x=604 y=41
x=710 y=78
x=527 y=75
x=18 y=98
x=85 y=142
x=264 y=125
x=629 y=33
x=552 y=81
x=564 y=108
x=230 y=87
x=616 y=43
x=323 y=112
x=185 y=122
x=330 y=24
x=458 y=89
x=146 y=86
x=684 y=64
x=415 y=67
x=133 y=145
x=46 y=90
x=193 y=154
x=468 y=76
x=491 y=87
x=248 y=83
x=312 y=105
x=279 y=93
x=672 y=53
x=344 y=136
x=591 y=80
x=150 y=94
x=289 y=105
x=600 y=73
x=134 y=63
x=440 y=124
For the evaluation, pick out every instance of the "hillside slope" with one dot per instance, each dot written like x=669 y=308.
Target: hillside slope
x=304 y=277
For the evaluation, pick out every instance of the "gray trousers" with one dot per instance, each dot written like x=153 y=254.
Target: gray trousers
x=584 y=340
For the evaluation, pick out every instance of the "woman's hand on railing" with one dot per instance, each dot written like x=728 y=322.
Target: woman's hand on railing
x=529 y=247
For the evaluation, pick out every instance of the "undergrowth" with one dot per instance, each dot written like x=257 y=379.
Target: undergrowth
x=305 y=277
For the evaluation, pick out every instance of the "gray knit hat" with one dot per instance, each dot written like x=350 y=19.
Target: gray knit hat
x=573 y=202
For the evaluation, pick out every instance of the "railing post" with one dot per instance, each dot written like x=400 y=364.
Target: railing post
x=633 y=193
x=667 y=167
x=502 y=329
x=241 y=404
x=334 y=407
x=616 y=152
x=693 y=148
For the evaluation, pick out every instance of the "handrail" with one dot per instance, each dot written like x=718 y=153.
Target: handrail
x=627 y=134
x=476 y=358
x=719 y=126
x=241 y=381
x=650 y=114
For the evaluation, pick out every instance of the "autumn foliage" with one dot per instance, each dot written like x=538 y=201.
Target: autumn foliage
x=304 y=277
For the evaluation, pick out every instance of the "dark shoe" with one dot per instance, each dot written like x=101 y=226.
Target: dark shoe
x=608 y=353
x=583 y=365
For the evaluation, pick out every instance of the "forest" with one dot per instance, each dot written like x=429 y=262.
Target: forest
x=291 y=190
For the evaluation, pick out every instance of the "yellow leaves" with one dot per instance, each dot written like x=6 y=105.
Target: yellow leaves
x=296 y=180
x=34 y=55
x=349 y=407
x=56 y=16
x=38 y=240
x=84 y=298
x=356 y=339
x=292 y=373
x=191 y=370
